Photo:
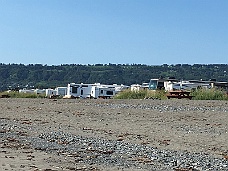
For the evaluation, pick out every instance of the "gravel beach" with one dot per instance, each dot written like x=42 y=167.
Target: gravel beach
x=108 y=134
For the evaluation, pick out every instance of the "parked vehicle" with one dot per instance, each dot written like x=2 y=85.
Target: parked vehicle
x=95 y=90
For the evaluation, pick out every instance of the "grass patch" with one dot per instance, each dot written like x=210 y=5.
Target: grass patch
x=199 y=94
x=15 y=94
x=141 y=94
x=209 y=94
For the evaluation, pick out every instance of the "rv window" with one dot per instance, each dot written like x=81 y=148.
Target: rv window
x=74 y=90
x=109 y=92
x=160 y=85
x=101 y=91
x=81 y=92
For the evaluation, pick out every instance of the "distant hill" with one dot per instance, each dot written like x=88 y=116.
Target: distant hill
x=44 y=76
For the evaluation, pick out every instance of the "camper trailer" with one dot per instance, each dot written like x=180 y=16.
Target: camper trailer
x=186 y=85
x=95 y=90
x=50 y=92
x=31 y=91
x=39 y=91
x=61 y=91
x=79 y=90
x=119 y=88
x=135 y=87
x=173 y=84
x=102 y=91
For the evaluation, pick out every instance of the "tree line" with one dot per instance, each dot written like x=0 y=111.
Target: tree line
x=45 y=76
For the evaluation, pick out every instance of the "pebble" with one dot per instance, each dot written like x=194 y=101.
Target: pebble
x=115 y=153
x=161 y=107
x=118 y=153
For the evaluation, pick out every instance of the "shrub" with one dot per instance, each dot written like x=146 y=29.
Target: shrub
x=128 y=94
x=199 y=94
x=158 y=94
x=141 y=94
x=15 y=94
x=209 y=94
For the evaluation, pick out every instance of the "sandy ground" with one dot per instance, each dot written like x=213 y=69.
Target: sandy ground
x=182 y=130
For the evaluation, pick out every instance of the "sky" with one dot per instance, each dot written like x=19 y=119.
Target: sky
x=151 y=32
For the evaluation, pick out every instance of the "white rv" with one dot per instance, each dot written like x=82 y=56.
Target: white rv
x=96 y=90
x=79 y=90
x=31 y=91
x=119 y=88
x=173 y=84
x=61 y=91
x=39 y=91
x=135 y=87
x=102 y=91
x=186 y=85
x=50 y=92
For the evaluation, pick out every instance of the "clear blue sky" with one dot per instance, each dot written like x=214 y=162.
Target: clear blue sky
x=152 y=32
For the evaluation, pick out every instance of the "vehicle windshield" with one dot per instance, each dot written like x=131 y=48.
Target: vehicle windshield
x=153 y=84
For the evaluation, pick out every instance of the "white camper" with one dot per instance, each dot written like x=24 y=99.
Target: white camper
x=50 y=92
x=95 y=90
x=79 y=90
x=39 y=91
x=102 y=91
x=31 y=91
x=135 y=87
x=119 y=88
x=61 y=91
x=185 y=85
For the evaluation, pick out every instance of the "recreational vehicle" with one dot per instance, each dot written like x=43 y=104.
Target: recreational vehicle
x=50 y=92
x=95 y=90
x=61 y=91
x=155 y=84
x=79 y=90
x=39 y=91
x=102 y=91
x=31 y=91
